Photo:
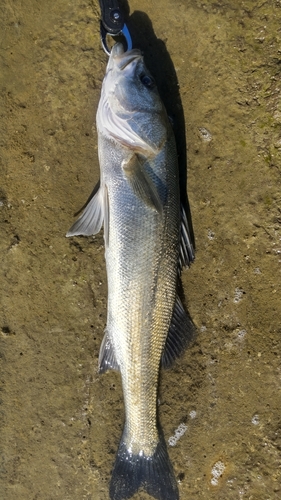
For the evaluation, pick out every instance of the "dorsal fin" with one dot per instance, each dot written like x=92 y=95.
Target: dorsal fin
x=180 y=334
x=187 y=254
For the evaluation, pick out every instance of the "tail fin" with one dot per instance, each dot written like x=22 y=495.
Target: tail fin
x=154 y=474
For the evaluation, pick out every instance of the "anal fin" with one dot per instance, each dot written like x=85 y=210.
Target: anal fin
x=107 y=359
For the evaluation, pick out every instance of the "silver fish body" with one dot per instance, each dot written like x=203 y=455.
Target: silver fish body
x=146 y=243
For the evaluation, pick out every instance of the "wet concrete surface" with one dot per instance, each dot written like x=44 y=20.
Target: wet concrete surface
x=219 y=65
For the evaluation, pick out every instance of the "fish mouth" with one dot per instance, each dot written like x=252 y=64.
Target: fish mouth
x=128 y=58
x=123 y=59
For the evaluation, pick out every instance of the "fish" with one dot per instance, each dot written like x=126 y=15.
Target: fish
x=147 y=243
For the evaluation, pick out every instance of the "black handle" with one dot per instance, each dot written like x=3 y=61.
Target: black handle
x=111 y=16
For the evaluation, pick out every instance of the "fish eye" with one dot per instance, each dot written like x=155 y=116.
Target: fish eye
x=147 y=81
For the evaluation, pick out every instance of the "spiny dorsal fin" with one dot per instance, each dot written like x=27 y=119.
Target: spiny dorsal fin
x=186 y=247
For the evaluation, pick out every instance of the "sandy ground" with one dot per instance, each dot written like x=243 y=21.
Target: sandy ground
x=60 y=421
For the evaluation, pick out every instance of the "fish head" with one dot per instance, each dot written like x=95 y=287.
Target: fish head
x=130 y=109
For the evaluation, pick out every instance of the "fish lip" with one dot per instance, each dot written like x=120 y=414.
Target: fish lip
x=127 y=58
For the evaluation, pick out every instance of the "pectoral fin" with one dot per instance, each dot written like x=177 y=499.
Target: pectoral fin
x=94 y=215
x=141 y=183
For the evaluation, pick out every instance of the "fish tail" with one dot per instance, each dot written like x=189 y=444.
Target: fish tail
x=154 y=474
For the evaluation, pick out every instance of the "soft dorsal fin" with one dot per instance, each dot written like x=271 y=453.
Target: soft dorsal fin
x=180 y=334
x=107 y=359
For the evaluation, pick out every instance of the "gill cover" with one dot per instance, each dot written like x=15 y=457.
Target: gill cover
x=130 y=110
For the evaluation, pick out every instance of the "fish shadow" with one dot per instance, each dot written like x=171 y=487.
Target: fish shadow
x=160 y=65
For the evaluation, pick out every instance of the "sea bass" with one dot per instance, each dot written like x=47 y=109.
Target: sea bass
x=147 y=242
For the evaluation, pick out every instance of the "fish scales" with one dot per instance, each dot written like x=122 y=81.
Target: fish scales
x=138 y=203
x=141 y=259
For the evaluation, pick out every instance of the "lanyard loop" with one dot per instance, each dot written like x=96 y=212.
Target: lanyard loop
x=112 y=23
